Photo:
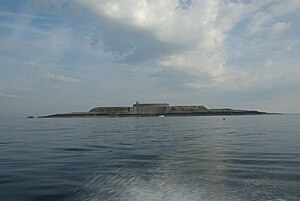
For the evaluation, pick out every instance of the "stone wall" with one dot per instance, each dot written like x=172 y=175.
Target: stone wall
x=152 y=109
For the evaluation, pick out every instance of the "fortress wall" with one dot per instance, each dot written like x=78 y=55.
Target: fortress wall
x=154 y=109
x=133 y=110
x=151 y=110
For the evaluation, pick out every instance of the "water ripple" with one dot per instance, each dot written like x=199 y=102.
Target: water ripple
x=246 y=158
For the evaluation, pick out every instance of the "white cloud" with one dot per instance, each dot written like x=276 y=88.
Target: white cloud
x=276 y=9
x=197 y=36
x=2 y=88
x=292 y=44
x=7 y=93
x=24 y=89
x=25 y=28
x=279 y=27
x=203 y=25
x=162 y=19
x=37 y=46
x=61 y=78
x=6 y=13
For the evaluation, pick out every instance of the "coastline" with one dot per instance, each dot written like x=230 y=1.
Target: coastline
x=198 y=113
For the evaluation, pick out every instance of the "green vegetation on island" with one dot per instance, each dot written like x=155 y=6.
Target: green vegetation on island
x=188 y=108
x=110 y=110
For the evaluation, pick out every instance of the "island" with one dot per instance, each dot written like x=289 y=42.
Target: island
x=156 y=109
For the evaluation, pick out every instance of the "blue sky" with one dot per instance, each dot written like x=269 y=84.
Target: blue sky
x=62 y=55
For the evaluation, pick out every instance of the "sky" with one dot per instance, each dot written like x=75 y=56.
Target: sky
x=71 y=55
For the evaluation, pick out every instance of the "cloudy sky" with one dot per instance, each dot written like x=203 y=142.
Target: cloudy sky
x=71 y=55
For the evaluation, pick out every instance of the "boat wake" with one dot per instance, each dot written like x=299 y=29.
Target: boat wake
x=131 y=184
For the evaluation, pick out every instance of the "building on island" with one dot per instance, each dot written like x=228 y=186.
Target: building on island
x=153 y=108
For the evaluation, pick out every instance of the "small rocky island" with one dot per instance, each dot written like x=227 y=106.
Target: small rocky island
x=155 y=109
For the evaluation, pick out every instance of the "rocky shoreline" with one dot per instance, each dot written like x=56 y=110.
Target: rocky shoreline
x=213 y=112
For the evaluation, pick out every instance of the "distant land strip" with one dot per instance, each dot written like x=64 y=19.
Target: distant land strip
x=155 y=109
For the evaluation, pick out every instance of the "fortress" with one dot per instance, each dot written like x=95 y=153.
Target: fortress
x=149 y=109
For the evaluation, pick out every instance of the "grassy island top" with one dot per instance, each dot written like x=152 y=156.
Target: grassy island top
x=188 y=108
x=110 y=109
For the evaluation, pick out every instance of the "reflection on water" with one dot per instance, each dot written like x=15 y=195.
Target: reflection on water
x=176 y=158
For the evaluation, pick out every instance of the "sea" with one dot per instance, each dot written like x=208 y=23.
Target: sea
x=203 y=158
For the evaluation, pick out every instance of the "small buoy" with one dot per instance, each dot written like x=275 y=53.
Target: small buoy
x=223 y=118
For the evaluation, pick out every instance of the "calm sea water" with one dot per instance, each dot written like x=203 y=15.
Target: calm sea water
x=150 y=158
